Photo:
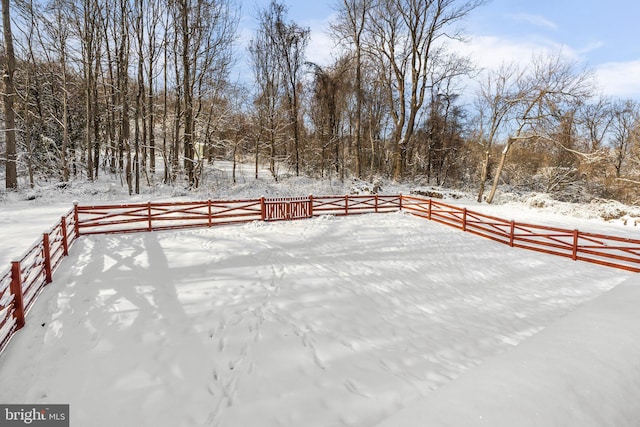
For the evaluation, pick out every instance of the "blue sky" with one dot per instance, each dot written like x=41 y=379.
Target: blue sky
x=601 y=35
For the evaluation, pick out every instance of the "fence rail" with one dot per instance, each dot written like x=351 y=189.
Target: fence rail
x=128 y=218
x=21 y=284
x=610 y=251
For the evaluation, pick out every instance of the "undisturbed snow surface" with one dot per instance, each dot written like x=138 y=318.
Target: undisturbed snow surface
x=378 y=320
x=323 y=322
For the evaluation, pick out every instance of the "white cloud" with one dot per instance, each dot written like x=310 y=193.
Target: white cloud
x=617 y=79
x=322 y=49
x=537 y=20
x=591 y=47
x=490 y=52
x=620 y=79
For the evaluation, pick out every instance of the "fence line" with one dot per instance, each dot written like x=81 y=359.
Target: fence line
x=136 y=217
x=21 y=284
x=610 y=251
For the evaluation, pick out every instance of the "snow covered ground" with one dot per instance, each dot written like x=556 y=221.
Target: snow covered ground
x=368 y=320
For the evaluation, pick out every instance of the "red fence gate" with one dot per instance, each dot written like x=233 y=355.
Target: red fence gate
x=289 y=208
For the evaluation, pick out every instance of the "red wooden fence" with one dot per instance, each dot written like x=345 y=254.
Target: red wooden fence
x=21 y=284
x=611 y=251
x=106 y=219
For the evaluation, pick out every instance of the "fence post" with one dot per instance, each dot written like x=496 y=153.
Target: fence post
x=429 y=209
x=400 y=201
x=76 y=219
x=16 y=290
x=149 y=227
x=512 y=232
x=376 y=203
x=576 y=236
x=46 y=253
x=65 y=242
x=346 y=204
x=310 y=205
x=464 y=219
x=209 y=216
x=263 y=209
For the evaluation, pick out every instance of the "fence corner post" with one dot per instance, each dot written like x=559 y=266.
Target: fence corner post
x=464 y=219
x=65 y=236
x=576 y=237
x=76 y=218
x=310 y=205
x=46 y=254
x=150 y=226
x=16 y=290
x=512 y=232
x=263 y=209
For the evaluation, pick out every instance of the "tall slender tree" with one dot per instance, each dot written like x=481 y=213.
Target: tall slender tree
x=496 y=100
x=8 y=97
x=404 y=36
x=350 y=27
x=290 y=41
x=206 y=32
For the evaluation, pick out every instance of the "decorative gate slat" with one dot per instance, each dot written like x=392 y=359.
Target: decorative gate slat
x=287 y=209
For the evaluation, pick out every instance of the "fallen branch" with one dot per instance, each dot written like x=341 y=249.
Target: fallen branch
x=628 y=180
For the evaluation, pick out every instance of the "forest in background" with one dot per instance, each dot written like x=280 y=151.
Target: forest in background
x=115 y=86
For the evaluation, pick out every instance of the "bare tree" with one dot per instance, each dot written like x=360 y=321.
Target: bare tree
x=596 y=120
x=350 y=26
x=123 y=56
x=87 y=22
x=407 y=38
x=58 y=28
x=329 y=98
x=496 y=99
x=290 y=41
x=626 y=115
x=550 y=84
x=268 y=80
x=153 y=33
x=9 y=68
x=206 y=31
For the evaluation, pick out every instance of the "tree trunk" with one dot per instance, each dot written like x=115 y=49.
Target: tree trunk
x=358 y=124
x=65 y=112
x=257 y=156
x=483 y=175
x=151 y=113
x=496 y=178
x=11 y=177
x=188 y=93
x=88 y=45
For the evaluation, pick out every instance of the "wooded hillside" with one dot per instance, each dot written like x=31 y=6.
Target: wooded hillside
x=115 y=86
